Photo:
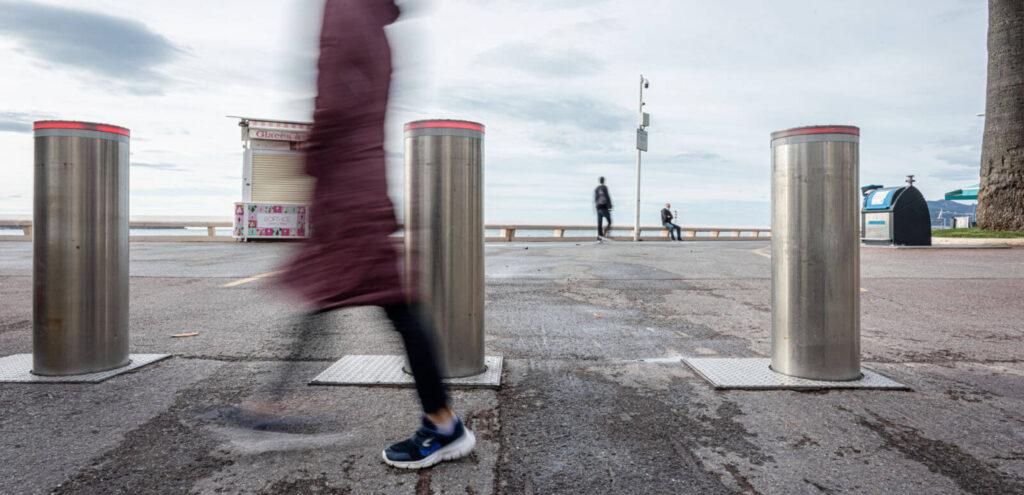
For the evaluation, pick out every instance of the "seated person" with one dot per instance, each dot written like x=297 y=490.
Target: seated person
x=666 y=220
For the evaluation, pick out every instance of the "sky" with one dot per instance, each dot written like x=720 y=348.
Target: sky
x=555 y=82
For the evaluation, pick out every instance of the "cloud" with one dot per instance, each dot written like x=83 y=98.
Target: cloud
x=599 y=26
x=541 y=60
x=706 y=167
x=697 y=156
x=964 y=161
x=581 y=112
x=186 y=192
x=966 y=157
x=956 y=174
x=580 y=32
x=569 y=141
x=538 y=4
x=16 y=122
x=112 y=47
x=159 y=166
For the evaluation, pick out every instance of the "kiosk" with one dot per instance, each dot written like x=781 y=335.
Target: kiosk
x=275 y=189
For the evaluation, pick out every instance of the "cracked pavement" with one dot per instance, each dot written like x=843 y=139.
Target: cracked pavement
x=594 y=398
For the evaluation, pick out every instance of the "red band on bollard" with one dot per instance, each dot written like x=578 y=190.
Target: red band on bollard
x=444 y=124
x=84 y=126
x=824 y=129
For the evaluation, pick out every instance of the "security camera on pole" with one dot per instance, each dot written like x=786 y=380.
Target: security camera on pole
x=644 y=120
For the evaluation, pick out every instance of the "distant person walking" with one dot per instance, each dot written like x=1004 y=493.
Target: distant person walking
x=666 y=219
x=350 y=260
x=603 y=202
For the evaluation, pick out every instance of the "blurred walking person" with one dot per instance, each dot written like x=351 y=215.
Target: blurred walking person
x=666 y=219
x=349 y=260
x=603 y=202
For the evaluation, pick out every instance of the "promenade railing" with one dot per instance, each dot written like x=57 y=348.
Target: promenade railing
x=174 y=223
x=577 y=233
x=506 y=232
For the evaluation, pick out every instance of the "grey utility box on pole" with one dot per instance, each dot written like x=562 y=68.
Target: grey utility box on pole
x=816 y=253
x=80 y=248
x=444 y=236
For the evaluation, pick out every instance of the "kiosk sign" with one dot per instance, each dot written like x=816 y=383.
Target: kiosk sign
x=277 y=220
x=277 y=135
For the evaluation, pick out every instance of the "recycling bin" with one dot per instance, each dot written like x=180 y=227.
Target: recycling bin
x=896 y=216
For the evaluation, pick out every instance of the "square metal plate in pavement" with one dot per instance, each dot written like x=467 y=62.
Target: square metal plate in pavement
x=17 y=368
x=754 y=374
x=387 y=370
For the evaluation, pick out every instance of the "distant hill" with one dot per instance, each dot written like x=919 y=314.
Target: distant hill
x=934 y=207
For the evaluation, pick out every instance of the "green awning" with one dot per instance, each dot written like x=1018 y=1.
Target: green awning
x=965 y=193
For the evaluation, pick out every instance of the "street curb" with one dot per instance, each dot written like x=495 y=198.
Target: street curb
x=977 y=241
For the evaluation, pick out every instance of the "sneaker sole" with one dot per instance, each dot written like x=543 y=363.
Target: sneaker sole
x=452 y=451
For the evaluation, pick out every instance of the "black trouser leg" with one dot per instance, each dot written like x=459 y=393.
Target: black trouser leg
x=603 y=213
x=419 y=346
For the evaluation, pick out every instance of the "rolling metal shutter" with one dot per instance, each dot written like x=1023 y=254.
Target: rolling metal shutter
x=277 y=177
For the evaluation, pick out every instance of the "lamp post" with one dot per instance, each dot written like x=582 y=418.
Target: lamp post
x=643 y=120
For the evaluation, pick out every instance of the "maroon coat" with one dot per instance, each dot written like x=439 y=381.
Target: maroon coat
x=349 y=260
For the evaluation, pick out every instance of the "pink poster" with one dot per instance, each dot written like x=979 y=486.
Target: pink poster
x=271 y=221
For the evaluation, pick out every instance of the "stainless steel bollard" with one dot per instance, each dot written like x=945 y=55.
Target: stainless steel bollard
x=444 y=236
x=816 y=253
x=80 y=248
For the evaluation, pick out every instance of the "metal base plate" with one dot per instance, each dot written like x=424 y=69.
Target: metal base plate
x=17 y=368
x=387 y=370
x=938 y=246
x=755 y=374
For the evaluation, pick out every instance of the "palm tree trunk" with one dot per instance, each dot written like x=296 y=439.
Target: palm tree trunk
x=1001 y=196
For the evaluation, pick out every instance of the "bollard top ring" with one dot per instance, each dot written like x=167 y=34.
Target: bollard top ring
x=80 y=126
x=444 y=124
x=816 y=129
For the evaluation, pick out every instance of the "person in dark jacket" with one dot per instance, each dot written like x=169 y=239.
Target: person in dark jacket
x=603 y=202
x=666 y=220
x=349 y=259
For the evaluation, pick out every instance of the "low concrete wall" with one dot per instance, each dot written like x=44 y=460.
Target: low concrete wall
x=507 y=231
x=977 y=241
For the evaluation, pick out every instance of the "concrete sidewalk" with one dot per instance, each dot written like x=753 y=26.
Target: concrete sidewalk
x=594 y=400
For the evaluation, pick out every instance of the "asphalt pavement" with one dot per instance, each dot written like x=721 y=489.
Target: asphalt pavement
x=594 y=396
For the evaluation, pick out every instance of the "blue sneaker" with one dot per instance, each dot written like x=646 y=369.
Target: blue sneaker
x=427 y=447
